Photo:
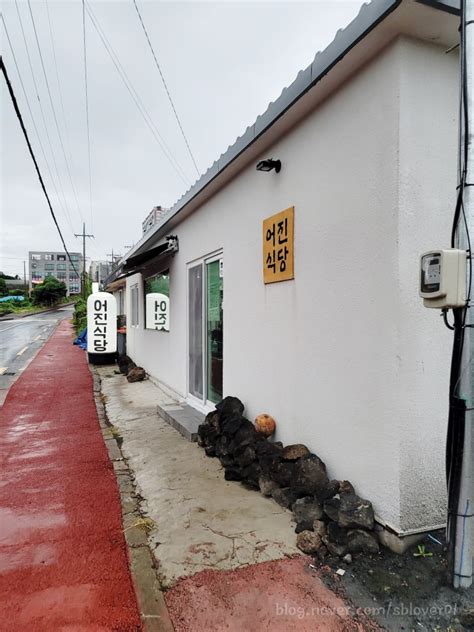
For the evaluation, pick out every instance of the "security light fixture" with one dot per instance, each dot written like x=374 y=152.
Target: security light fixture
x=269 y=164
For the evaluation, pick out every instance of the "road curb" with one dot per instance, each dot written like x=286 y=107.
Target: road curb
x=153 y=610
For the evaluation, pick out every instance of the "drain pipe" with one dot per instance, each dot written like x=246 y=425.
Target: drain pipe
x=464 y=518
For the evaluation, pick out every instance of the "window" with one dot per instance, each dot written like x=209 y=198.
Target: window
x=36 y=257
x=74 y=288
x=61 y=266
x=157 y=292
x=49 y=257
x=134 y=304
x=74 y=257
x=73 y=277
x=61 y=257
x=49 y=266
x=61 y=276
x=36 y=276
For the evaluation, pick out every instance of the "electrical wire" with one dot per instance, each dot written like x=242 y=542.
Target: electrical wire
x=25 y=133
x=63 y=203
x=457 y=408
x=63 y=111
x=34 y=122
x=54 y=112
x=136 y=98
x=87 y=106
x=166 y=87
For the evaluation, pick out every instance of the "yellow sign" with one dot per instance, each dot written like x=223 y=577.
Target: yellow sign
x=278 y=246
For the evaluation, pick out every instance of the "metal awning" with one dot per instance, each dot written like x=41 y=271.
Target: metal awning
x=170 y=246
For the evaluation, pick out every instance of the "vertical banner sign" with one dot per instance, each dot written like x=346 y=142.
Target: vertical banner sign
x=278 y=246
x=101 y=323
x=157 y=311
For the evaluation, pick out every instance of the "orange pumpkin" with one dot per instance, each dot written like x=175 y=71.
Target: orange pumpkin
x=265 y=424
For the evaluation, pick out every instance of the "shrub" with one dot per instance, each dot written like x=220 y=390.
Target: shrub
x=79 y=319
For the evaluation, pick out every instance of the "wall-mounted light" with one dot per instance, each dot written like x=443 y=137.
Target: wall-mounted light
x=269 y=164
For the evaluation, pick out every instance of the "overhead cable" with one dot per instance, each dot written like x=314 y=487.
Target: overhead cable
x=54 y=111
x=64 y=201
x=136 y=98
x=34 y=123
x=87 y=105
x=166 y=86
x=25 y=133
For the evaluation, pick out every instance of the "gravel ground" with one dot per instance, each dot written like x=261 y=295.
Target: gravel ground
x=404 y=592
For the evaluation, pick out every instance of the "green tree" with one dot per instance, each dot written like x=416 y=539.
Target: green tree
x=3 y=287
x=50 y=292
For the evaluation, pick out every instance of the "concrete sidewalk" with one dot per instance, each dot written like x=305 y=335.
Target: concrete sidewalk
x=63 y=558
x=225 y=554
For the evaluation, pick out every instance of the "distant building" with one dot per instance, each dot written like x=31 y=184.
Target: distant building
x=56 y=264
x=99 y=271
x=153 y=217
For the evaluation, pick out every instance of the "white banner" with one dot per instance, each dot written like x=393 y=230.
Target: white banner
x=157 y=311
x=101 y=323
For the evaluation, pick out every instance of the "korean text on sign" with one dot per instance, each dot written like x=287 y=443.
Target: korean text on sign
x=101 y=323
x=278 y=238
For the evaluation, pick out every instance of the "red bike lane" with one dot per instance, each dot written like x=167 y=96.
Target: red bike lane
x=63 y=557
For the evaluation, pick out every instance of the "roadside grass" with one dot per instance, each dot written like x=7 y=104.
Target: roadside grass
x=26 y=307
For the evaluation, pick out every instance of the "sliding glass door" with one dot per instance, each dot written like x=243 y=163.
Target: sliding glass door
x=195 y=318
x=206 y=328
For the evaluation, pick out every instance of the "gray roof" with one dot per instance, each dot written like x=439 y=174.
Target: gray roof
x=369 y=16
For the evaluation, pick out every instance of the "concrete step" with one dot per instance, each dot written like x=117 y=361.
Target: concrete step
x=183 y=418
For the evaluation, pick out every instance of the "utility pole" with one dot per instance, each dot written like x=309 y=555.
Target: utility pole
x=460 y=478
x=84 y=276
x=113 y=257
x=24 y=276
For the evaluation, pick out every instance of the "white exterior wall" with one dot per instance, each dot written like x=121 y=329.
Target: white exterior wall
x=325 y=353
x=428 y=159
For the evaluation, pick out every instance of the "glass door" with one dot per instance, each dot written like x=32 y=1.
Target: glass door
x=195 y=317
x=205 y=331
x=215 y=329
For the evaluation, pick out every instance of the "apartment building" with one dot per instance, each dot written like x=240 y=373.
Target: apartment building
x=43 y=264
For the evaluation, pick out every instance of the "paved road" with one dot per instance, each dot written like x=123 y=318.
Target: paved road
x=20 y=340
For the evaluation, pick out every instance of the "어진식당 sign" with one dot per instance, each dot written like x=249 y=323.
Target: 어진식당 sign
x=157 y=311
x=101 y=323
x=278 y=246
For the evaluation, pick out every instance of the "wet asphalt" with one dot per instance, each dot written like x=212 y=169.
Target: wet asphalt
x=20 y=341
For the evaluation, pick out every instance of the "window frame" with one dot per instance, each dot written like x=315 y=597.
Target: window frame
x=134 y=306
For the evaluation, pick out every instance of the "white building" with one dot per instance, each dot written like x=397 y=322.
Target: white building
x=99 y=271
x=343 y=355
x=153 y=218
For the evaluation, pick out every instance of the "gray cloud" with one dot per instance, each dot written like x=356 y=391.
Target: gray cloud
x=223 y=61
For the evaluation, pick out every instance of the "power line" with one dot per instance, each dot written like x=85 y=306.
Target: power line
x=166 y=87
x=68 y=145
x=53 y=109
x=33 y=121
x=87 y=105
x=65 y=205
x=136 y=98
x=25 y=133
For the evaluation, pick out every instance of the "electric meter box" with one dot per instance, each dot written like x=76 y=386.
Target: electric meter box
x=443 y=278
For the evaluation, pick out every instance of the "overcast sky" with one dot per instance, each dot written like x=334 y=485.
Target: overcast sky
x=223 y=63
